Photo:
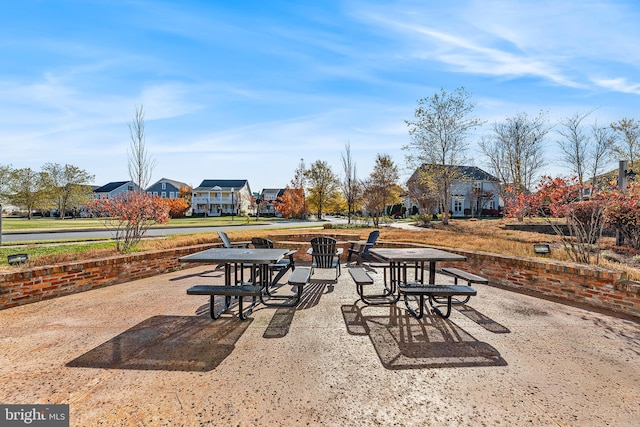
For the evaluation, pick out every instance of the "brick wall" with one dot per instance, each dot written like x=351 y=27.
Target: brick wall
x=41 y=283
x=592 y=286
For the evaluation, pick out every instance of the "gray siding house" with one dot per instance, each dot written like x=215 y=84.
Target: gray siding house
x=166 y=188
x=112 y=189
x=476 y=193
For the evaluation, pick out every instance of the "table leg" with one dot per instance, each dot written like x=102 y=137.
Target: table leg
x=432 y=272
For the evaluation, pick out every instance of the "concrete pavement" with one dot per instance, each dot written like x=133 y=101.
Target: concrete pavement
x=145 y=353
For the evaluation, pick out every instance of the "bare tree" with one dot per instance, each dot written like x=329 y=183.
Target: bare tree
x=576 y=143
x=323 y=184
x=516 y=150
x=350 y=185
x=438 y=138
x=141 y=164
x=627 y=142
x=601 y=150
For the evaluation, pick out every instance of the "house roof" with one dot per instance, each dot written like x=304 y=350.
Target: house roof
x=473 y=173
x=175 y=183
x=225 y=184
x=108 y=188
x=279 y=191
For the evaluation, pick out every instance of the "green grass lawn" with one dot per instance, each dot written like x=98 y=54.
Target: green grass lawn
x=36 y=251
x=47 y=224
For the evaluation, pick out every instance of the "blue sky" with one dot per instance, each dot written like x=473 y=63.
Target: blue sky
x=245 y=89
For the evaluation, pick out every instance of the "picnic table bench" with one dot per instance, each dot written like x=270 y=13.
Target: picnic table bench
x=241 y=291
x=361 y=279
x=471 y=278
x=433 y=292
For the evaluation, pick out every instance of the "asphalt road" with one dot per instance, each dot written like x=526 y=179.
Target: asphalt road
x=153 y=232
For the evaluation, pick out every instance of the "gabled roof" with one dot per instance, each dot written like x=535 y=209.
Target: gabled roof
x=176 y=184
x=279 y=191
x=108 y=188
x=472 y=173
x=225 y=184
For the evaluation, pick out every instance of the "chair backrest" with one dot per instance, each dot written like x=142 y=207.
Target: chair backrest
x=261 y=243
x=371 y=241
x=225 y=239
x=324 y=250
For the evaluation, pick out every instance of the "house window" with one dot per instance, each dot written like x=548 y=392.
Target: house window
x=164 y=185
x=164 y=194
x=172 y=195
x=477 y=185
x=155 y=193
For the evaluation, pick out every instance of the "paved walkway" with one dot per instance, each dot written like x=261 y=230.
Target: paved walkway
x=145 y=353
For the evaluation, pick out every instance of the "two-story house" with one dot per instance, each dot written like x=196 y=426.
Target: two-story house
x=166 y=188
x=112 y=189
x=269 y=197
x=216 y=197
x=474 y=193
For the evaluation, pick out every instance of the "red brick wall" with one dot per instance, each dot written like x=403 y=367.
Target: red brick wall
x=592 y=286
x=41 y=283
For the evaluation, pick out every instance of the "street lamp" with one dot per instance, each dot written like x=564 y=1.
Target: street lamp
x=233 y=205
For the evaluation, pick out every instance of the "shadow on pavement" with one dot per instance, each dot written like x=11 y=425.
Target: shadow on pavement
x=168 y=343
x=404 y=342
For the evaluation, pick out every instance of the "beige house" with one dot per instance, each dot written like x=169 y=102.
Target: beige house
x=217 y=197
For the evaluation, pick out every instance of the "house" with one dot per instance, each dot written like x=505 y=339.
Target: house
x=269 y=197
x=112 y=189
x=166 y=188
x=476 y=192
x=216 y=197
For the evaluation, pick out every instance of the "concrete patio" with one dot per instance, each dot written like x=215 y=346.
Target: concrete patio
x=145 y=353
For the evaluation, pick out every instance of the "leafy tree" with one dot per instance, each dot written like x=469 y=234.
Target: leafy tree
x=622 y=212
x=292 y=203
x=69 y=186
x=439 y=138
x=381 y=188
x=177 y=207
x=323 y=185
x=25 y=189
x=351 y=189
x=185 y=192
x=130 y=214
x=141 y=164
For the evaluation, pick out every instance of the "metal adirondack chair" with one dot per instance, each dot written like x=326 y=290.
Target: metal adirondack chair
x=325 y=254
x=362 y=252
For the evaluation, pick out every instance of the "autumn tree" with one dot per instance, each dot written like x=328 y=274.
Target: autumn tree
x=293 y=203
x=130 y=215
x=351 y=188
x=177 y=207
x=141 y=163
x=323 y=185
x=439 y=138
x=68 y=186
x=381 y=188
